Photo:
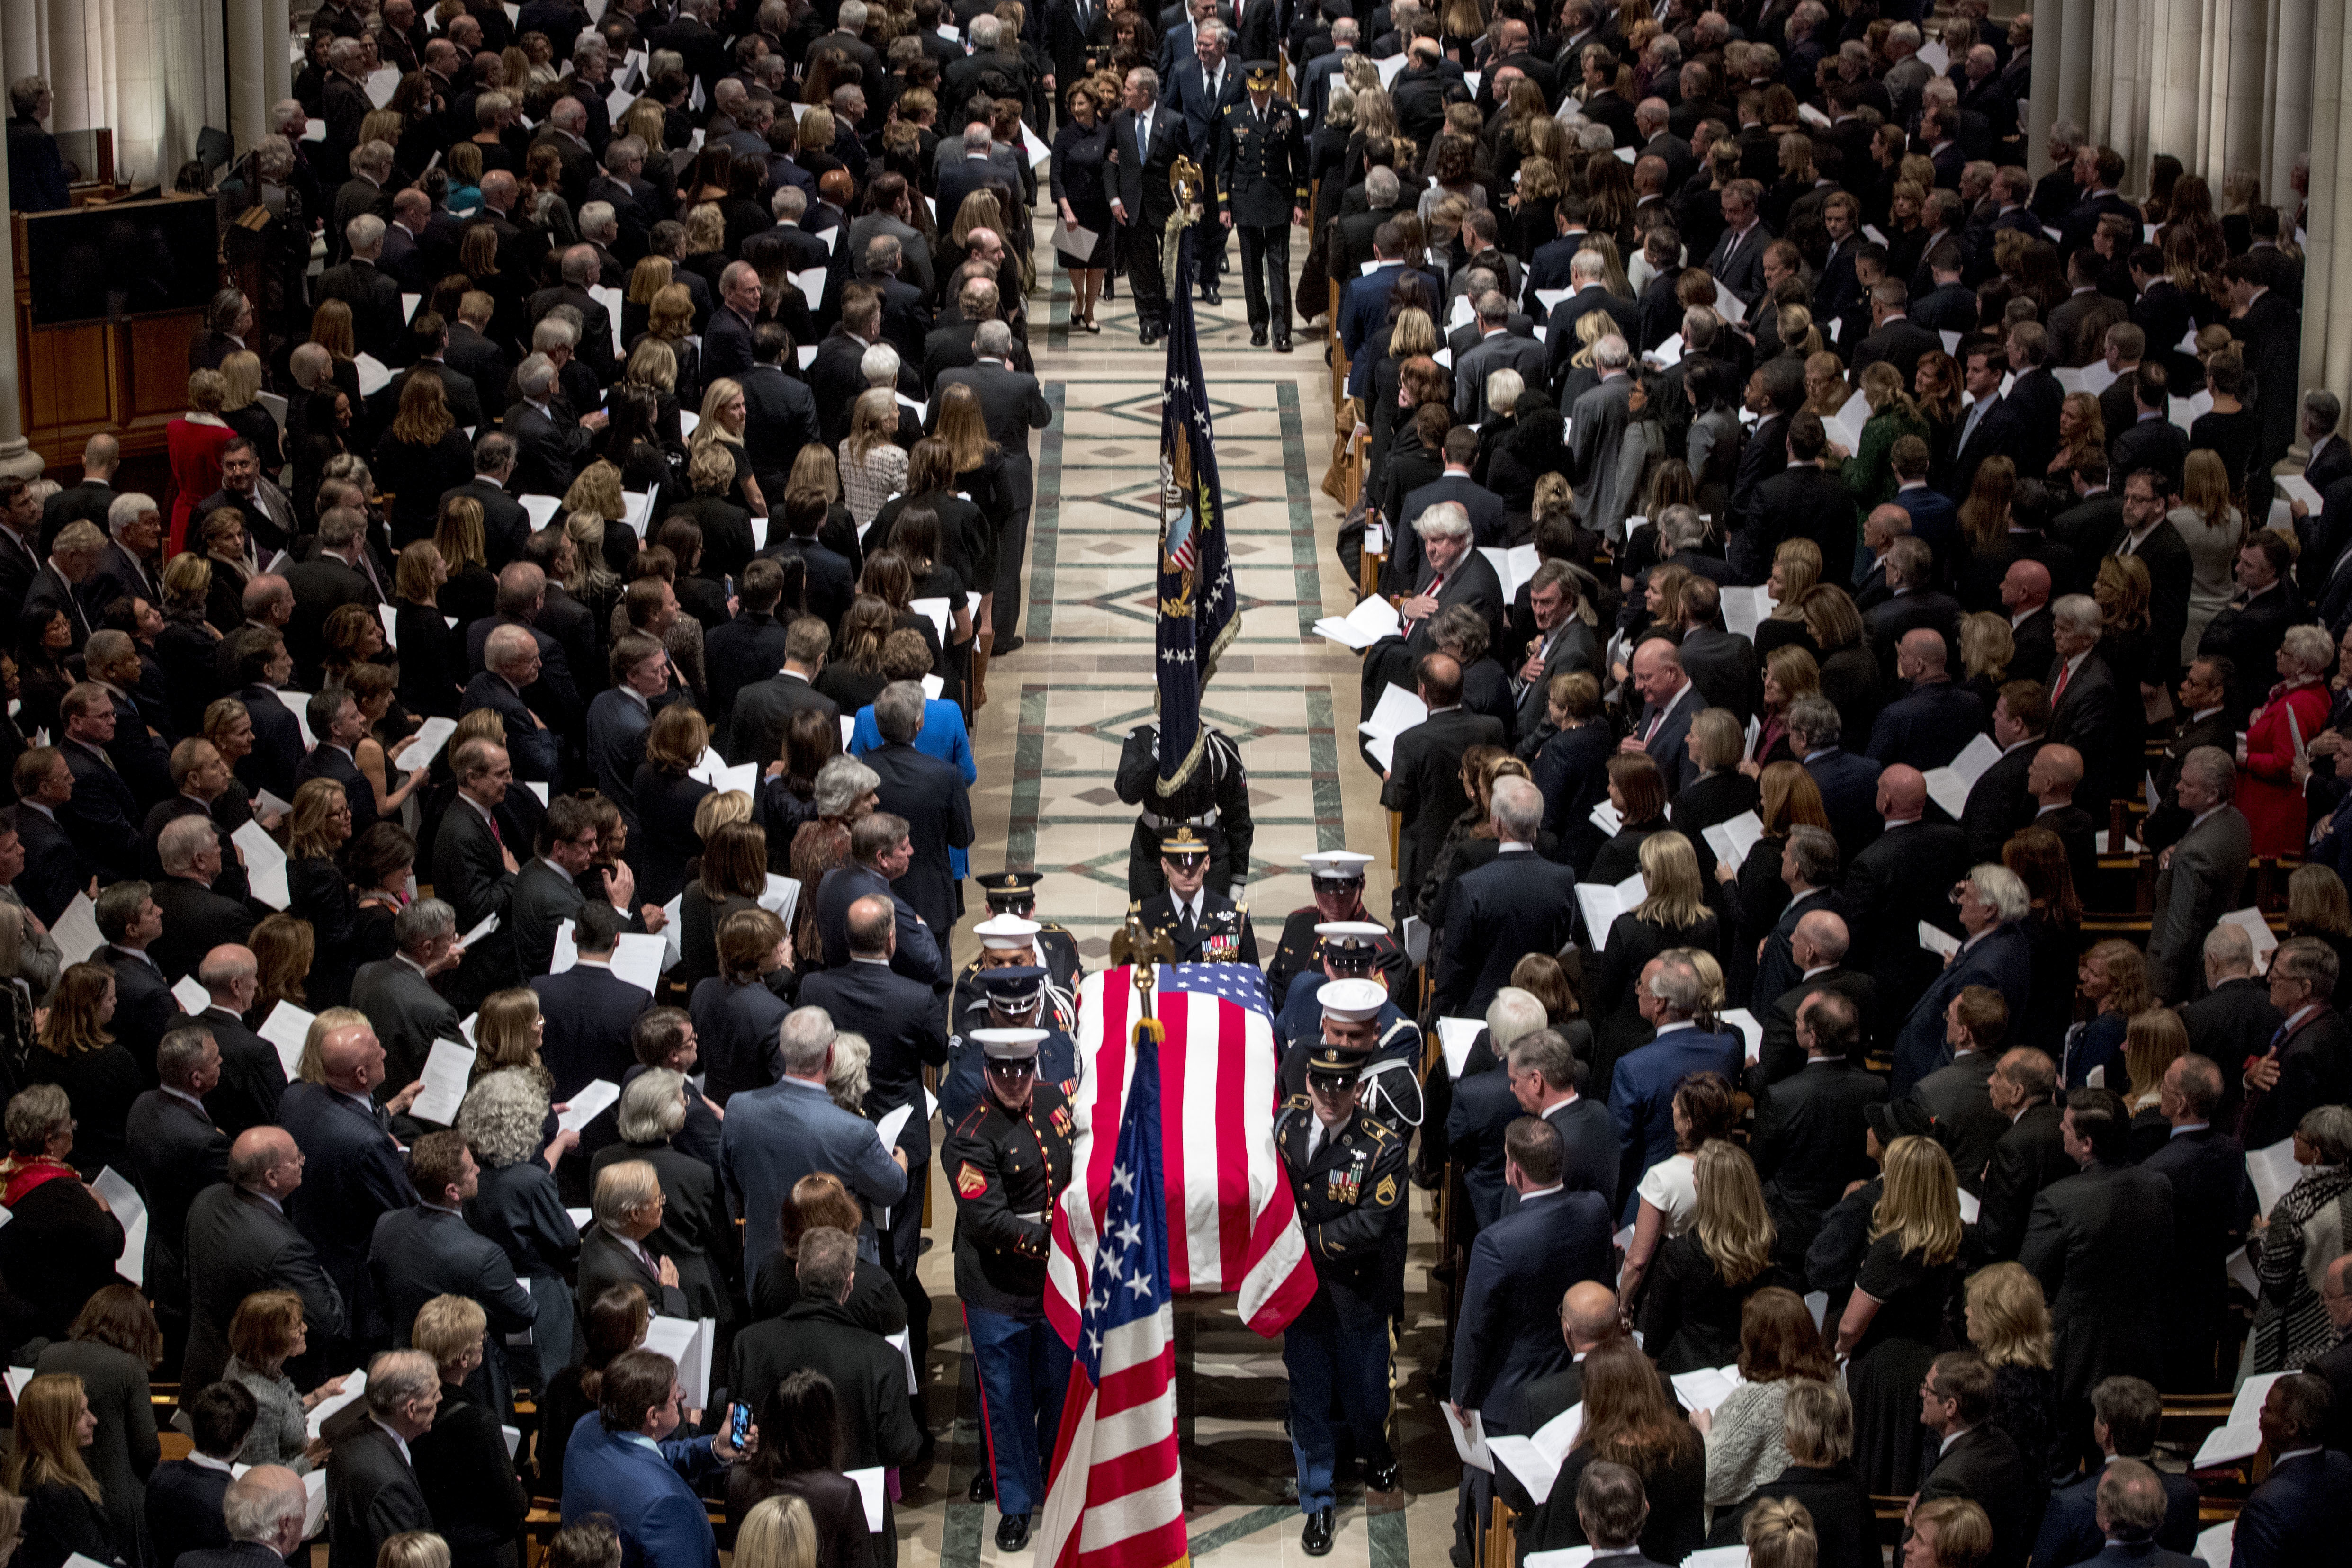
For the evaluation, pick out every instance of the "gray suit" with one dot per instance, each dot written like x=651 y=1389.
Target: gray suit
x=1498 y=350
x=409 y=1015
x=1572 y=647
x=2198 y=888
x=778 y=1134
x=1596 y=444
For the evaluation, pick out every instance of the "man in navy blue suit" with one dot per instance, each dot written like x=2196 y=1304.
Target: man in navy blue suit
x=1517 y=904
x=102 y=818
x=1669 y=703
x=351 y=1164
x=1849 y=784
x=2125 y=1412
x=1936 y=721
x=1996 y=952
x=1809 y=868
x=881 y=851
x=1485 y=1103
x=623 y=1463
x=2130 y=1503
x=1642 y=1090
x=54 y=869
x=183 y=1506
x=2211 y=1203
x=1364 y=308
x=1520 y=1266
x=2307 y=1500
x=1993 y=427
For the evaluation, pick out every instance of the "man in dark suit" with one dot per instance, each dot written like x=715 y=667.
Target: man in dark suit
x=1997 y=803
x=930 y=794
x=144 y=1008
x=474 y=869
x=2025 y=598
x=1495 y=347
x=1145 y=140
x=546 y=892
x=2233 y=1022
x=2151 y=439
x=337 y=725
x=505 y=524
x=397 y=993
x=371 y=1490
x=1809 y=867
x=351 y=1164
x=779 y=414
x=2269 y=330
x=2101 y=1244
x=1935 y=723
x=1720 y=663
x=1958 y=1095
x=1976 y=1460
x=2124 y=1414
x=1820 y=946
x=252 y=1077
x=183 y=1506
x=2028 y=1155
x=589 y=1011
x=594 y=348
x=550 y=443
x=1807 y=500
x=1811 y=1125
x=2088 y=709
x=1013 y=405
x=1515 y=905
x=2306 y=1500
x=1519 y=1267
x=373 y=296
x=427 y=1249
x=1423 y=784
x=195 y=918
x=240 y=1240
x=1994 y=953
x=2249 y=631
x=2211 y=1203
x=176 y=1153
x=2309 y=1063
x=1455 y=485
x=1992 y=427
x=1894 y=337
x=1738 y=260
x=53 y=868
x=1912 y=600
x=1642 y=1087
x=1670 y=700
x=763 y=709
x=748 y=648
x=1848 y=783
x=1561 y=643
x=1542 y=1074
x=511 y=662
x=325 y=583
x=101 y=815
x=879 y=855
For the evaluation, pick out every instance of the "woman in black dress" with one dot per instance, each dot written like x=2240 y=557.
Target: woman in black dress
x=799 y=1457
x=519 y=1207
x=188 y=648
x=1673 y=914
x=422 y=455
x=469 y=591
x=382 y=860
x=65 y=1515
x=1628 y=1420
x=1572 y=769
x=1703 y=1278
x=1638 y=792
x=431 y=652
x=852 y=676
x=665 y=801
x=2008 y=1324
x=1081 y=149
x=322 y=895
x=1895 y=1320
x=96 y=1072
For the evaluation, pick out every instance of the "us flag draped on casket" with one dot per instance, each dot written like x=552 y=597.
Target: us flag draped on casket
x=1230 y=1223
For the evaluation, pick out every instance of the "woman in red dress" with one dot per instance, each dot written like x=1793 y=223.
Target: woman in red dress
x=195 y=441
x=2292 y=715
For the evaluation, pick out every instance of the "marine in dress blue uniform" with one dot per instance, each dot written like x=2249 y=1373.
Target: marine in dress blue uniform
x=1346 y=1173
x=1009 y=1156
x=1015 y=997
x=1261 y=191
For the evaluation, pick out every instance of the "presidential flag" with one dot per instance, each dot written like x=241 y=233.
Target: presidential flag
x=1117 y=1498
x=1230 y=1218
x=1196 y=604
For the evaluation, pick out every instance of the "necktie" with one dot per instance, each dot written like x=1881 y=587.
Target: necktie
x=2066 y=673
x=1969 y=426
x=1652 y=728
x=1314 y=1139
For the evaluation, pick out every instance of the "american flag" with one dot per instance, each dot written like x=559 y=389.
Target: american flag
x=1230 y=1218
x=1116 y=1500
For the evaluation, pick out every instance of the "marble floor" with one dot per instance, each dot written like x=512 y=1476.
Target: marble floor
x=1048 y=741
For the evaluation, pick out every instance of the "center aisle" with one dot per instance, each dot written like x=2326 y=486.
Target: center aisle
x=1049 y=744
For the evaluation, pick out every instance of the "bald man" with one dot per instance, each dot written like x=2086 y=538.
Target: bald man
x=2055 y=773
x=353 y=1165
x=1900 y=878
x=1809 y=1126
x=1588 y=1319
x=2025 y=599
x=1936 y=719
x=1820 y=946
x=1669 y=703
x=240 y=1240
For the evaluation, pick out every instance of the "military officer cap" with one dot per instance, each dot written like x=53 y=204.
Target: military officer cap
x=1336 y=865
x=1353 y=1001
x=1006 y=933
x=1350 y=945
x=1260 y=75
x=1014 y=986
x=1183 y=844
x=1006 y=888
x=1009 y=1044
x=1332 y=1064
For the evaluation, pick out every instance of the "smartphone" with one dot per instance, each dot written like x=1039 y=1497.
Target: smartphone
x=739 y=1425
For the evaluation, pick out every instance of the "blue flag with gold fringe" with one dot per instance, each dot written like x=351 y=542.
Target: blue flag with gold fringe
x=1197 y=607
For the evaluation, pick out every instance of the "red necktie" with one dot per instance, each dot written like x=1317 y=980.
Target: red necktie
x=2066 y=673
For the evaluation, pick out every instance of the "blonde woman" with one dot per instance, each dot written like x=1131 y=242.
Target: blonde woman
x=1701 y=1279
x=64 y=1513
x=1893 y=415
x=778 y=1533
x=1893 y=1322
x=2111 y=984
x=242 y=411
x=1704 y=1111
x=873 y=464
x=2211 y=526
x=670 y=326
x=721 y=427
x=422 y=1548
x=322 y=896
x=508 y=1034
x=2155 y=1039
x=2008 y=1324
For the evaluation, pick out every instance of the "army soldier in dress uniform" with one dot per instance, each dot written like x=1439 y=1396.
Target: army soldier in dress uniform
x=1009 y=1156
x=1354 y=1013
x=1336 y=877
x=1213 y=801
x=1013 y=997
x=1261 y=190
x=1202 y=927
x=1346 y=1173
x=1015 y=893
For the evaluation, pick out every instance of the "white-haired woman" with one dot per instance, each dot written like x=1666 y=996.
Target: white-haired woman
x=2295 y=1244
x=503 y=1120
x=694 y=1231
x=2296 y=711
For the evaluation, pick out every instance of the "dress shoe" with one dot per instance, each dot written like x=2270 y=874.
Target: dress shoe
x=1224 y=264
x=1209 y=295
x=983 y=1487
x=1258 y=337
x=1013 y=1534
x=1149 y=337
x=1382 y=1478
x=1282 y=345
x=1009 y=645
x=1316 y=1539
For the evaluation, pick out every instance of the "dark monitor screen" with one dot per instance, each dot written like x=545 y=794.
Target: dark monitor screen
x=126 y=260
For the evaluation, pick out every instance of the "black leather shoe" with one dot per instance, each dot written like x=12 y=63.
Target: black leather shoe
x=1224 y=264
x=1151 y=335
x=1209 y=295
x=1282 y=345
x=1316 y=1539
x=983 y=1487
x=1013 y=1534
x=1258 y=337
x=1010 y=646
x=1382 y=1478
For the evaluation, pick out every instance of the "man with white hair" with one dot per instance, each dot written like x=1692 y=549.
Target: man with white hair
x=364 y=192
x=1587 y=274
x=550 y=445
x=373 y=294
x=195 y=918
x=1603 y=478
x=264 y=1510
x=2089 y=710
x=2234 y=1019
x=1199 y=89
x=566 y=130
x=1994 y=952
x=345 y=107
x=2198 y=878
x=510 y=662
x=1517 y=904
x=581 y=273
x=127 y=568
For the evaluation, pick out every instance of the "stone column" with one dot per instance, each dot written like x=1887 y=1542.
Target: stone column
x=2288 y=124
x=2175 y=101
x=2060 y=83
x=259 y=72
x=18 y=459
x=2328 y=264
